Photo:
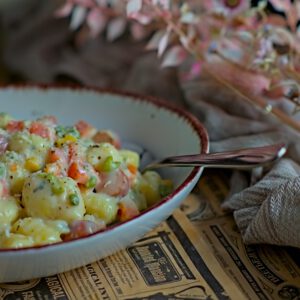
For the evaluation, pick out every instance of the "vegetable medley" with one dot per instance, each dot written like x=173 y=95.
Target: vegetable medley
x=62 y=182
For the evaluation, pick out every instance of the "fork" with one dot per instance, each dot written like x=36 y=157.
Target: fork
x=245 y=158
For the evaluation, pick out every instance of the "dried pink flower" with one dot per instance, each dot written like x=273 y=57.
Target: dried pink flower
x=258 y=52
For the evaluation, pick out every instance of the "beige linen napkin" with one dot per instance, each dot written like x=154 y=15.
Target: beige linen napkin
x=267 y=211
x=41 y=48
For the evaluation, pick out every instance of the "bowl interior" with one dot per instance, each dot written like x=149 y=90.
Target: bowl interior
x=161 y=131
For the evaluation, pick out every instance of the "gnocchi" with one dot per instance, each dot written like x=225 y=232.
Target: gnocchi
x=62 y=182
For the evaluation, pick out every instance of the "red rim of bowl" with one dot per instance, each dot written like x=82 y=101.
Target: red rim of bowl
x=159 y=102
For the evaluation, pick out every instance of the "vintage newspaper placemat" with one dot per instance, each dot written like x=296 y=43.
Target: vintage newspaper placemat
x=171 y=262
x=260 y=271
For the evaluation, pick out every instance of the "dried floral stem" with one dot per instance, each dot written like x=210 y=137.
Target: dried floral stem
x=254 y=100
x=259 y=102
x=262 y=43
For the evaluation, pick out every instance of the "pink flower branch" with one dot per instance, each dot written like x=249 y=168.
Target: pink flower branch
x=260 y=49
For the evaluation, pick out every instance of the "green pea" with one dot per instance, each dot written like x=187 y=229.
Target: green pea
x=110 y=165
x=56 y=184
x=91 y=182
x=74 y=199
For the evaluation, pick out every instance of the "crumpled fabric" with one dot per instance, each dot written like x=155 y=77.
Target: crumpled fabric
x=268 y=212
x=265 y=204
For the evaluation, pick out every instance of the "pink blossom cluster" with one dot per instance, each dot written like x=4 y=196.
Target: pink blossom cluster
x=250 y=48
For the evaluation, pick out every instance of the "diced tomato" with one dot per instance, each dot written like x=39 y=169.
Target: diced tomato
x=13 y=167
x=107 y=136
x=14 y=126
x=85 y=129
x=3 y=143
x=82 y=228
x=40 y=129
x=127 y=210
x=78 y=173
x=115 y=183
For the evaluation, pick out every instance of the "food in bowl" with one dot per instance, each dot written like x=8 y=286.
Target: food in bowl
x=60 y=183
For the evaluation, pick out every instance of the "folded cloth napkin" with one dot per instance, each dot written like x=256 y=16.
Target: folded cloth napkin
x=268 y=211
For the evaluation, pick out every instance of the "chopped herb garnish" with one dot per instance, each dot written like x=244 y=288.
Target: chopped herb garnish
x=62 y=131
x=39 y=187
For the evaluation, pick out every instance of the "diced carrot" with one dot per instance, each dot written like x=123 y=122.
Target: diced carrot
x=77 y=172
x=55 y=154
x=132 y=168
x=13 y=167
x=14 y=126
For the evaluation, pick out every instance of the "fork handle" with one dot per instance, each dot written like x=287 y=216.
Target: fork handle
x=241 y=158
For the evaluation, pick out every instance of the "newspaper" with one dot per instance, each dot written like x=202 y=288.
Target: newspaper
x=197 y=253
x=260 y=271
x=170 y=262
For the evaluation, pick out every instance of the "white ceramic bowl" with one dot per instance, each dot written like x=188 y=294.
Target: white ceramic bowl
x=160 y=128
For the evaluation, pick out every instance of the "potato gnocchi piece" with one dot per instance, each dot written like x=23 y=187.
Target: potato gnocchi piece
x=51 y=197
x=41 y=231
x=102 y=206
x=94 y=219
x=153 y=187
x=130 y=158
x=103 y=157
x=137 y=197
x=9 y=211
x=148 y=185
x=15 y=240
x=32 y=146
x=14 y=171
